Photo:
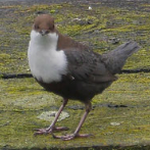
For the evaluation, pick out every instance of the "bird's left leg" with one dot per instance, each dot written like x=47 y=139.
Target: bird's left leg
x=52 y=127
x=76 y=132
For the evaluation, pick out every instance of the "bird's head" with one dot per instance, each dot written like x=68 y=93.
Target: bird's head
x=44 y=31
x=44 y=24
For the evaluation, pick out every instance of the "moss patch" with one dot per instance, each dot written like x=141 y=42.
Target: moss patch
x=94 y=26
x=20 y=105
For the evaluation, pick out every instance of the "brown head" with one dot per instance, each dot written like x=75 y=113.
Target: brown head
x=44 y=24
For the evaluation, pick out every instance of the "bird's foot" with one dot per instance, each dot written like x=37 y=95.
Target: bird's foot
x=61 y=128
x=49 y=130
x=42 y=131
x=71 y=136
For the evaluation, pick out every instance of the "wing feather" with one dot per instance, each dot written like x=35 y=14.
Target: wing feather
x=87 y=66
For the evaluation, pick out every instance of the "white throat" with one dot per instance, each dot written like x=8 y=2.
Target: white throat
x=46 y=63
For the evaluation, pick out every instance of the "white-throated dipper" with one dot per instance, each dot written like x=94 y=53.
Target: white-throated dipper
x=71 y=69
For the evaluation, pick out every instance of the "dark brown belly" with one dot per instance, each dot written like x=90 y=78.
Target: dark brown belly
x=75 y=90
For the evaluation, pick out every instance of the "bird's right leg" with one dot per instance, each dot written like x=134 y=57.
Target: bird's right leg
x=52 y=127
x=76 y=132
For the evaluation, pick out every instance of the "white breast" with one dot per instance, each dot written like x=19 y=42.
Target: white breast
x=45 y=61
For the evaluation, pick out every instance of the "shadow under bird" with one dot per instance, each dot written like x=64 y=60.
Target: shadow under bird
x=71 y=69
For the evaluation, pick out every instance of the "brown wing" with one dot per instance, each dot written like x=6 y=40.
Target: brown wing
x=87 y=66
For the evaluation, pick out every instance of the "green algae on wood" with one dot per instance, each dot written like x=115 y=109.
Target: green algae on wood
x=50 y=115
x=19 y=118
x=97 y=27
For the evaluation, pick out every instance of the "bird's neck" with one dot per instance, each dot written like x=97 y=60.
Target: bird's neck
x=67 y=43
x=49 y=40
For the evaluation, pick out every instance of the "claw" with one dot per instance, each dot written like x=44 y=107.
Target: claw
x=70 y=136
x=42 y=131
x=49 y=130
x=61 y=128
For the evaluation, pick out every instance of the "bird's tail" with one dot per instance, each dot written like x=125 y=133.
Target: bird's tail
x=115 y=59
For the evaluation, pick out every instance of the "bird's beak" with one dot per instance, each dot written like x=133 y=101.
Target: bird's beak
x=43 y=32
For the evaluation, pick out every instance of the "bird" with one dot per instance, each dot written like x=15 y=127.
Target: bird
x=71 y=69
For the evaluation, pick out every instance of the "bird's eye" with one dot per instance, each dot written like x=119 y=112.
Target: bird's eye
x=36 y=26
x=51 y=27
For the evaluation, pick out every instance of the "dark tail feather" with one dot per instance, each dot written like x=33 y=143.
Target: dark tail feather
x=115 y=60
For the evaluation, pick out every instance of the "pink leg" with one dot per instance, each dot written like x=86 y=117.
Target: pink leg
x=52 y=127
x=76 y=132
